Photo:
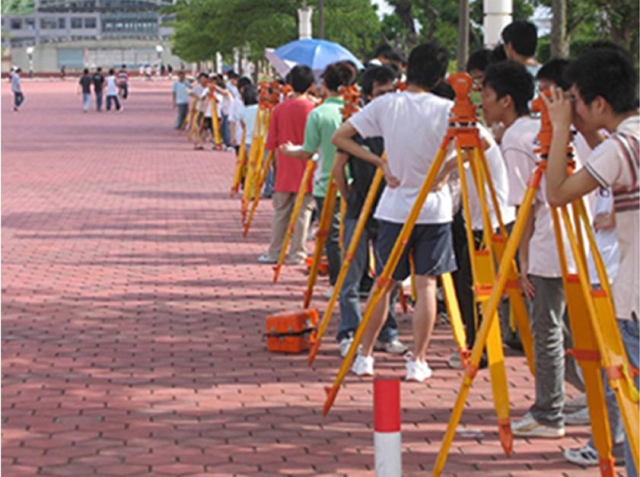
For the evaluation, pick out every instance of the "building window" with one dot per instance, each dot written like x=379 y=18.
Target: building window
x=48 y=24
x=16 y=24
x=76 y=23
x=62 y=23
x=30 y=24
x=90 y=23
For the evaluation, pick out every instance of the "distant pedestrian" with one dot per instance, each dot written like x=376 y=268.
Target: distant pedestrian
x=170 y=71
x=63 y=72
x=98 y=86
x=18 y=97
x=123 y=82
x=180 y=93
x=84 y=87
x=147 y=72
x=112 y=91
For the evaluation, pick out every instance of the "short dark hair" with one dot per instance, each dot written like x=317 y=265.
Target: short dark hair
x=497 y=54
x=124 y=66
x=85 y=71
x=242 y=82
x=479 y=60
x=112 y=71
x=523 y=37
x=98 y=69
x=608 y=73
x=203 y=75
x=394 y=56
x=249 y=95
x=301 y=78
x=376 y=75
x=427 y=65
x=340 y=73
x=232 y=74
x=510 y=78
x=553 y=70
x=382 y=49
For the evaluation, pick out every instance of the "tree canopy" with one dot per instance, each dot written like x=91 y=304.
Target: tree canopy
x=203 y=27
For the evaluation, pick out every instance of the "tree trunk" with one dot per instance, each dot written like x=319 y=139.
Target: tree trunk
x=321 y=19
x=463 y=34
x=559 y=39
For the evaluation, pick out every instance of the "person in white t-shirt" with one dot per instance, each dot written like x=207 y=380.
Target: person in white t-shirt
x=412 y=124
x=506 y=93
x=234 y=113
x=606 y=100
x=112 y=91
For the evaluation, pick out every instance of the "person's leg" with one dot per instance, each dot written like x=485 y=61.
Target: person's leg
x=333 y=245
x=462 y=278
x=117 y=102
x=630 y=333
x=349 y=299
x=98 y=101
x=109 y=100
x=125 y=91
x=298 y=247
x=86 y=97
x=282 y=203
x=424 y=314
x=225 y=130
x=572 y=374
x=547 y=328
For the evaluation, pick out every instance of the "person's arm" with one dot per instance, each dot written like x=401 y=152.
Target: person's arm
x=173 y=95
x=311 y=141
x=343 y=140
x=295 y=151
x=563 y=188
x=339 y=163
x=523 y=251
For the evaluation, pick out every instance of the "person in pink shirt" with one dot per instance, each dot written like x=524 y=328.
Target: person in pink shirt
x=287 y=125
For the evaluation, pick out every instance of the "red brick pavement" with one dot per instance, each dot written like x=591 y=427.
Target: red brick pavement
x=133 y=312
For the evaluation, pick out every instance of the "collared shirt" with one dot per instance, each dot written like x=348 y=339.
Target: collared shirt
x=322 y=122
x=180 y=89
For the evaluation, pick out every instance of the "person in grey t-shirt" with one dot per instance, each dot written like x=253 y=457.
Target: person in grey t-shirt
x=18 y=97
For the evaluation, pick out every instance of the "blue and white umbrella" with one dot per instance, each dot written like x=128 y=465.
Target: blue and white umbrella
x=316 y=54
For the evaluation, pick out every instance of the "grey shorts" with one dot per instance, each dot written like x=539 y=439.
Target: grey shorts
x=430 y=244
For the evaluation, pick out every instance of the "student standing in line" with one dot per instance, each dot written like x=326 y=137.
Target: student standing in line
x=112 y=91
x=84 y=87
x=18 y=97
x=180 y=95
x=98 y=85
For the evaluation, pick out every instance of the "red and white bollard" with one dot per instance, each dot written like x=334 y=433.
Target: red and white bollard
x=386 y=421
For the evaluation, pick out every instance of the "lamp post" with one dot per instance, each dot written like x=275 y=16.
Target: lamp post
x=30 y=56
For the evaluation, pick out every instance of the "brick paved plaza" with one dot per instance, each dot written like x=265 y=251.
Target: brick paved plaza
x=132 y=320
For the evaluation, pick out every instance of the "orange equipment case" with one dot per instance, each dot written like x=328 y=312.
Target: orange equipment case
x=291 y=332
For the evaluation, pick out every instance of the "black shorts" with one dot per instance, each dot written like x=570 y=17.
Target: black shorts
x=208 y=125
x=430 y=244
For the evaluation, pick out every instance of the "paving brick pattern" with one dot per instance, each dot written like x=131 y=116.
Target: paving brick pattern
x=132 y=315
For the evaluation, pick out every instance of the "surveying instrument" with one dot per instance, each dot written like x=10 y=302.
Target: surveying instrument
x=598 y=346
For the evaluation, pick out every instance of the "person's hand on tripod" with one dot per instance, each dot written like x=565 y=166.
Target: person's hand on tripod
x=527 y=287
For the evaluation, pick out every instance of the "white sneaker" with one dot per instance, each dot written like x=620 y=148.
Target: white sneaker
x=585 y=456
x=329 y=292
x=363 y=366
x=418 y=371
x=392 y=347
x=578 y=418
x=267 y=259
x=529 y=427
x=345 y=344
x=454 y=362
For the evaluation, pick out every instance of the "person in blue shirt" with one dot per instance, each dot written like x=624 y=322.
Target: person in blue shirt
x=180 y=93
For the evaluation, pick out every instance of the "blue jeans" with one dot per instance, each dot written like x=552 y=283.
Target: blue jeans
x=86 y=101
x=350 y=313
x=98 y=101
x=225 y=130
x=630 y=333
x=113 y=99
x=18 y=99
x=182 y=114
x=333 y=240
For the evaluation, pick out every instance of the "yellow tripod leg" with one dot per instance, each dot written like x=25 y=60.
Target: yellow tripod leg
x=343 y=212
x=489 y=312
x=193 y=120
x=346 y=261
x=294 y=217
x=240 y=164
x=321 y=238
x=216 y=125
x=252 y=168
x=609 y=345
x=383 y=280
x=483 y=276
x=455 y=318
x=256 y=199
